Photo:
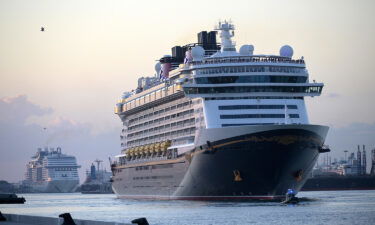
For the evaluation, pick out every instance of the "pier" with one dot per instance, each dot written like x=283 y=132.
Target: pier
x=15 y=219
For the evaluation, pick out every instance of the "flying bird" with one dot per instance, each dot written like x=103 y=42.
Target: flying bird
x=42 y=29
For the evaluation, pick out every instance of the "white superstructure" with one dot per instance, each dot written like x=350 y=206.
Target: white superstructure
x=52 y=171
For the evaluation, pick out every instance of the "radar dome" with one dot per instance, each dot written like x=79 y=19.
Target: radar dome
x=197 y=53
x=246 y=50
x=286 y=51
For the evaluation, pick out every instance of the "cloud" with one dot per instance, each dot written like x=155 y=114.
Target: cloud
x=16 y=110
x=19 y=139
x=63 y=129
x=350 y=136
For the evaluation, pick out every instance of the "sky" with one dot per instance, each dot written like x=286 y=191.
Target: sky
x=69 y=78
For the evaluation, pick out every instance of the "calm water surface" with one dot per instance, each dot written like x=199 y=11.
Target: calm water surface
x=330 y=207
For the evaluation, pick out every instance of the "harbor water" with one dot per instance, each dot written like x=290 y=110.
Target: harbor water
x=324 y=207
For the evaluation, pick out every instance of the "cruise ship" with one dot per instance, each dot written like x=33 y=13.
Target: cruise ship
x=215 y=123
x=52 y=171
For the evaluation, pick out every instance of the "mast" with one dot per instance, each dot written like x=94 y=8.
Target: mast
x=226 y=33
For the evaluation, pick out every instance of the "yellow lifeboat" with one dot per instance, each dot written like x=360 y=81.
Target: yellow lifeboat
x=165 y=145
x=136 y=151
x=162 y=146
x=152 y=148
x=140 y=150
x=145 y=149
x=157 y=147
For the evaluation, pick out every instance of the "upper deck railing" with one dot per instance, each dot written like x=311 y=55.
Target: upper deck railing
x=244 y=59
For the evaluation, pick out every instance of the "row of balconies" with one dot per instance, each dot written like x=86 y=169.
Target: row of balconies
x=170 y=135
x=170 y=109
x=166 y=119
x=168 y=127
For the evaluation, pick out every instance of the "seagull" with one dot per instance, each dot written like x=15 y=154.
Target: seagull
x=42 y=29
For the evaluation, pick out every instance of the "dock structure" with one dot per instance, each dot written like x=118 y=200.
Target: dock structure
x=15 y=219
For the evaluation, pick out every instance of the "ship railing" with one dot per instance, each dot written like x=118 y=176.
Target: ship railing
x=160 y=132
x=164 y=115
x=241 y=59
x=148 y=159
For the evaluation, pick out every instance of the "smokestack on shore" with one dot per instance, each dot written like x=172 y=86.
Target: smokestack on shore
x=364 y=164
x=372 y=172
x=359 y=161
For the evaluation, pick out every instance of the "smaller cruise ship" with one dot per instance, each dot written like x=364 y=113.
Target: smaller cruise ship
x=52 y=171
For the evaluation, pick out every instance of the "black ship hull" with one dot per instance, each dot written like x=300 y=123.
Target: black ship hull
x=260 y=163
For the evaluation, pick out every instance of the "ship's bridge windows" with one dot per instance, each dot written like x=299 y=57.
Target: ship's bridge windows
x=244 y=89
x=249 y=116
x=250 y=79
x=237 y=107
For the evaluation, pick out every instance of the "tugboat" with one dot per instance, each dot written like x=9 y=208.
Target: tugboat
x=11 y=199
x=290 y=197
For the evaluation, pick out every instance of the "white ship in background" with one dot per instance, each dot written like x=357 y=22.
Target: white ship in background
x=51 y=171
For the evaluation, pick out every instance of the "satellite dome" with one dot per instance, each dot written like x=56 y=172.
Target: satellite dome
x=197 y=53
x=246 y=50
x=157 y=67
x=286 y=51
